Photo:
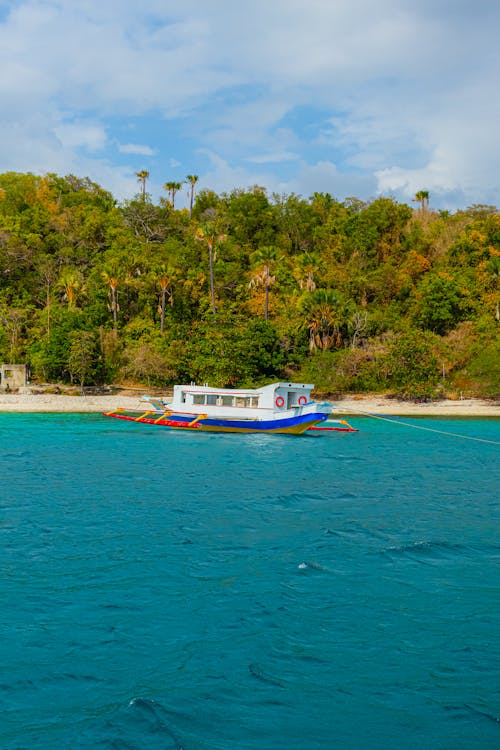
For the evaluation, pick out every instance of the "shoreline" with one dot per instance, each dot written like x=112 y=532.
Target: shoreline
x=349 y=406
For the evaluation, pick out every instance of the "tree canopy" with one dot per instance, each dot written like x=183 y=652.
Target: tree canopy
x=245 y=287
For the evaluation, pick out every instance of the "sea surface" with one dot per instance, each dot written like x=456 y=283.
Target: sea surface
x=240 y=592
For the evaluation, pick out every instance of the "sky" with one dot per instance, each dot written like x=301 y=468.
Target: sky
x=350 y=97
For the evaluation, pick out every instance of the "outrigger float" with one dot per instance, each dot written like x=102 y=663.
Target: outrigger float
x=333 y=425
x=281 y=408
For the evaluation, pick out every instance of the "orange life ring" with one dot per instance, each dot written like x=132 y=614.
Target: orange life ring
x=280 y=401
x=302 y=400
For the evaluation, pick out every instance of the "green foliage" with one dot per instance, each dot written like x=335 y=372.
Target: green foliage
x=350 y=295
x=476 y=353
x=439 y=304
x=232 y=352
x=49 y=354
x=484 y=370
x=326 y=315
x=83 y=358
x=412 y=366
x=259 y=351
x=250 y=217
x=144 y=362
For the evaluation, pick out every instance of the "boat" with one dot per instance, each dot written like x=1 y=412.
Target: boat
x=278 y=408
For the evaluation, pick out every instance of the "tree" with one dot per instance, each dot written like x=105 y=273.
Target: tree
x=422 y=197
x=296 y=221
x=192 y=179
x=439 y=303
x=412 y=365
x=209 y=234
x=325 y=313
x=251 y=219
x=306 y=266
x=147 y=221
x=357 y=324
x=172 y=189
x=235 y=351
x=145 y=362
x=71 y=282
x=206 y=200
x=14 y=321
x=164 y=277
x=142 y=176
x=83 y=356
x=263 y=259
x=46 y=268
x=112 y=280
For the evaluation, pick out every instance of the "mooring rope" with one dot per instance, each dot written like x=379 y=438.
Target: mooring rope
x=419 y=427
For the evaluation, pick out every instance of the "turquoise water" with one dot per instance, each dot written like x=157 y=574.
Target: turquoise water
x=225 y=592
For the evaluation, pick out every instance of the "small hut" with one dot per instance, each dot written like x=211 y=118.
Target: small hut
x=13 y=376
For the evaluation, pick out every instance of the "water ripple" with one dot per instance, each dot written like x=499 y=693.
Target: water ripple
x=218 y=592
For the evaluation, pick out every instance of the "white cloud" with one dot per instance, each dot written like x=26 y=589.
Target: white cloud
x=390 y=96
x=321 y=177
x=269 y=158
x=81 y=135
x=324 y=177
x=136 y=148
x=461 y=155
x=228 y=176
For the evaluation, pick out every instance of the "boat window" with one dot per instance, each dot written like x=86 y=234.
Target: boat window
x=242 y=402
x=211 y=399
x=254 y=402
x=199 y=398
x=227 y=400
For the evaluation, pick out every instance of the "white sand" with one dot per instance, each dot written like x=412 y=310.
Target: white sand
x=13 y=402
x=471 y=407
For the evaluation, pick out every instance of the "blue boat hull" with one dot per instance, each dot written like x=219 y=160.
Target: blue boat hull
x=293 y=425
x=288 y=426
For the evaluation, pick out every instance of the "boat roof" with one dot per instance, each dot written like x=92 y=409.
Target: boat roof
x=192 y=388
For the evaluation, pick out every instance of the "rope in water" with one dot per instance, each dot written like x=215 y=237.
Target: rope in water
x=419 y=427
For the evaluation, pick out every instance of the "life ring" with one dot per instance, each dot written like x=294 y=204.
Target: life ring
x=280 y=401
x=302 y=400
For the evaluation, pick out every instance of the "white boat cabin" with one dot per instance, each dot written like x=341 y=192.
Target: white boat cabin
x=276 y=398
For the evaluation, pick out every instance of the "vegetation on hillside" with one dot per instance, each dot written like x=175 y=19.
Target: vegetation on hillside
x=243 y=288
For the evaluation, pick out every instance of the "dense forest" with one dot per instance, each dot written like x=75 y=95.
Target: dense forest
x=243 y=288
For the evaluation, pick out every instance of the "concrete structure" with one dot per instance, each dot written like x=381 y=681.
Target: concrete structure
x=13 y=376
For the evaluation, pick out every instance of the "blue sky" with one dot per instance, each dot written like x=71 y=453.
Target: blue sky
x=350 y=97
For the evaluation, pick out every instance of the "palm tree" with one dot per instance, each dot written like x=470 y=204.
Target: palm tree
x=71 y=283
x=208 y=233
x=142 y=176
x=307 y=266
x=325 y=314
x=263 y=259
x=164 y=279
x=192 y=179
x=46 y=267
x=172 y=188
x=112 y=281
x=422 y=197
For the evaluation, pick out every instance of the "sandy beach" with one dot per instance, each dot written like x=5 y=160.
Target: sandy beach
x=49 y=402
